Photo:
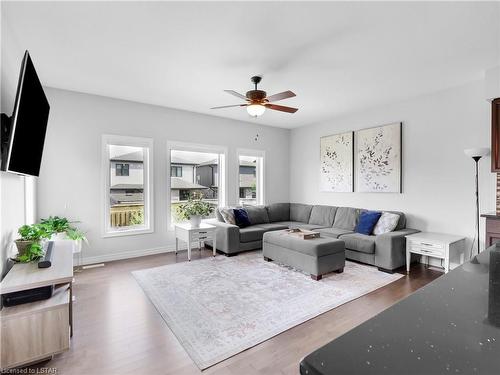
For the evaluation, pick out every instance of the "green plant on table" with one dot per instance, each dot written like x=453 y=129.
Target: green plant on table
x=35 y=232
x=195 y=206
x=29 y=243
x=56 y=224
x=33 y=251
x=76 y=234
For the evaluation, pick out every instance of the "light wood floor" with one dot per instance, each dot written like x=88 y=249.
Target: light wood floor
x=118 y=331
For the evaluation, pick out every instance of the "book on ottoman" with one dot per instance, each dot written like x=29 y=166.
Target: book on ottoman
x=302 y=233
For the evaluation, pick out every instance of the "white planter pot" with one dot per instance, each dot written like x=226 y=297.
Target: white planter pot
x=195 y=221
x=76 y=245
x=59 y=236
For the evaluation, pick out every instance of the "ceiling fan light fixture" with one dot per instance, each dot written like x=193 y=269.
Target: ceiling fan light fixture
x=256 y=110
x=257 y=100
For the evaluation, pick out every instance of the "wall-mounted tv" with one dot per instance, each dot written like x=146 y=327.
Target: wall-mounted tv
x=23 y=134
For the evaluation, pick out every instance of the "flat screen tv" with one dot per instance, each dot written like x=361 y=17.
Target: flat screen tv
x=24 y=132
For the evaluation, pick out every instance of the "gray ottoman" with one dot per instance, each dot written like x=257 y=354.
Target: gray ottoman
x=316 y=256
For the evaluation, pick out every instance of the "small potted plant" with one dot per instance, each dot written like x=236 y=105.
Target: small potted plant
x=58 y=226
x=29 y=245
x=194 y=209
x=62 y=229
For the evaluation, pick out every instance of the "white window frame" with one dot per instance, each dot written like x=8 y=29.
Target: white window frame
x=197 y=147
x=119 y=140
x=260 y=173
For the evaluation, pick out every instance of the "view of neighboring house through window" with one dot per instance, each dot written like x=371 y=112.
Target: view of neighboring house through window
x=250 y=180
x=127 y=206
x=176 y=171
x=193 y=172
x=122 y=169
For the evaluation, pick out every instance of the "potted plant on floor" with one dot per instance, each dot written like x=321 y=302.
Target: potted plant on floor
x=194 y=209
x=62 y=230
x=29 y=244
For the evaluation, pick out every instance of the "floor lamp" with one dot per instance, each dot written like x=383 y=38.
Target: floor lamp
x=476 y=154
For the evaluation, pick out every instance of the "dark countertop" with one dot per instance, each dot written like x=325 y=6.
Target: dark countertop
x=443 y=328
x=491 y=215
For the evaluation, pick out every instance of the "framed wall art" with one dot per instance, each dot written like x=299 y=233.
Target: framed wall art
x=378 y=162
x=336 y=163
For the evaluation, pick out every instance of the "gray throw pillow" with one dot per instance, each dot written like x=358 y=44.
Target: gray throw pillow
x=387 y=223
x=227 y=214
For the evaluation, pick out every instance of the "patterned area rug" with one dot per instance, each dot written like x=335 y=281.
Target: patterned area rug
x=218 y=307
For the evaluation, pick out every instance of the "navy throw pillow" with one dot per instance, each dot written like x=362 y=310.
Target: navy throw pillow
x=367 y=221
x=241 y=217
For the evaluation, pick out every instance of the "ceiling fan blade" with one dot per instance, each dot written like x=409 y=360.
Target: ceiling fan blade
x=280 y=96
x=237 y=94
x=282 y=108
x=229 y=106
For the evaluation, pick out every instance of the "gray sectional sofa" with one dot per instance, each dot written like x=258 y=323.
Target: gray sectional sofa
x=386 y=251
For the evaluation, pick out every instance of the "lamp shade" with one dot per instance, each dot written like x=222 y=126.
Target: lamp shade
x=255 y=110
x=477 y=152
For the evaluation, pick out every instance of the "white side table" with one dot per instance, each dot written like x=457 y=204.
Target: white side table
x=436 y=245
x=189 y=234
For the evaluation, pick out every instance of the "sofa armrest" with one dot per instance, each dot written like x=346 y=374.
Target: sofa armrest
x=390 y=249
x=227 y=235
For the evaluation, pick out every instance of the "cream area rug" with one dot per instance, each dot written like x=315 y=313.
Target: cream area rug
x=218 y=307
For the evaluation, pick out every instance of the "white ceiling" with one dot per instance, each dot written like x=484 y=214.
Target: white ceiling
x=337 y=57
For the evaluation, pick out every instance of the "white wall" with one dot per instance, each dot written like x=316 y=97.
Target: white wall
x=12 y=187
x=492 y=82
x=438 y=179
x=69 y=182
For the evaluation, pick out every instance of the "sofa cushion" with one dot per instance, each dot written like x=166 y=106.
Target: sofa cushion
x=367 y=221
x=274 y=226
x=333 y=232
x=346 y=218
x=286 y=223
x=359 y=242
x=251 y=233
x=241 y=217
x=387 y=223
x=278 y=212
x=298 y=224
x=257 y=214
x=322 y=215
x=300 y=212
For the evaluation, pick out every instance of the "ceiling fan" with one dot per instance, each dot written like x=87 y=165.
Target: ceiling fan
x=258 y=101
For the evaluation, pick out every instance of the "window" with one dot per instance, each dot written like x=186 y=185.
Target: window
x=195 y=171
x=127 y=207
x=175 y=171
x=122 y=169
x=250 y=177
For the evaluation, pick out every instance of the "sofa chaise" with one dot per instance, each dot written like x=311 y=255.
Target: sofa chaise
x=385 y=251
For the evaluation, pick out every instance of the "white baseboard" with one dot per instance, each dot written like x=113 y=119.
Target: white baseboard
x=122 y=255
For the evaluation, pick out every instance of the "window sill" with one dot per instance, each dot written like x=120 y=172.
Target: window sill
x=127 y=232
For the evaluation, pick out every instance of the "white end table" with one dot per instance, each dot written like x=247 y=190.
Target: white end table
x=187 y=233
x=436 y=245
